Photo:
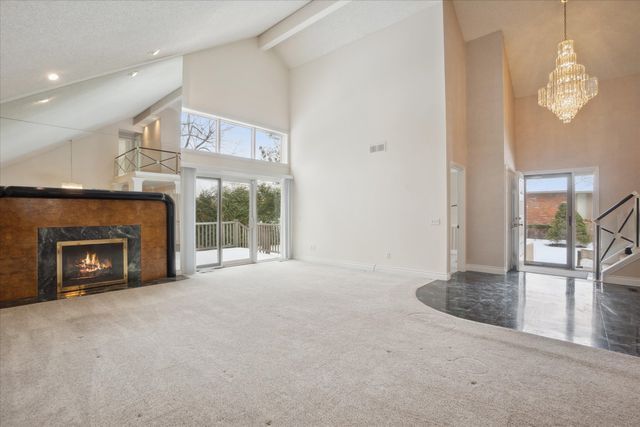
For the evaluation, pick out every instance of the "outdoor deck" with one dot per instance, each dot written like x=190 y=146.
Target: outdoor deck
x=235 y=242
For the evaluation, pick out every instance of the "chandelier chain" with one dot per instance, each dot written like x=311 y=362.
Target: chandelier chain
x=564 y=4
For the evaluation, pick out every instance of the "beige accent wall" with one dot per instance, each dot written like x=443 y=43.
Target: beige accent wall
x=456 y=111
x=455 y=86
x=164 y=132
x=508 y=109
x=489 y=134
x=151 y=135
x=605 y=134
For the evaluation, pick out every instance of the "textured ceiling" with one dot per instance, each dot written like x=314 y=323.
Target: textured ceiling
x=606 y=33
x=76 y=110
x=84 y=39
x=346 y=25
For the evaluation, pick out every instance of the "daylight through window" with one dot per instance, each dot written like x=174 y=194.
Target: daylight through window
x=212 y=134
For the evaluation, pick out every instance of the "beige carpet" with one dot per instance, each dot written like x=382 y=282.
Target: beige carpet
x=294 y=344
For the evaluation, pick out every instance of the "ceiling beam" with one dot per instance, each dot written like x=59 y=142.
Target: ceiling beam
x=298 y=21
x=156 y=107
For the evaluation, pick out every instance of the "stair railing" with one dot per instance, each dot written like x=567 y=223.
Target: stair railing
x=617 y=234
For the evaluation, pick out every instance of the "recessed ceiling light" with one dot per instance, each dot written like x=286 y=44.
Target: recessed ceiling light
x=43 y=101
x=53 y=77
x=155 y=52
x=133 y=73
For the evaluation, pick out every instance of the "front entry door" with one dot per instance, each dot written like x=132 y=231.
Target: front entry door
x=514 y=221
x=548 y=220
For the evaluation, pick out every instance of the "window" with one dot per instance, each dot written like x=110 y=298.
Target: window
x=268 y=146
x=235 y=140
x=201 y=132
x=198 y=132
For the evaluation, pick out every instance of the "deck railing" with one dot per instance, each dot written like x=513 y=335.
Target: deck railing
x=147 y=160
x=236 y=235
x=268 y=238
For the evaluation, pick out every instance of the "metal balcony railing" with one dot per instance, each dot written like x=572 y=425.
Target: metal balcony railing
x=617 y=235
x=147 y=160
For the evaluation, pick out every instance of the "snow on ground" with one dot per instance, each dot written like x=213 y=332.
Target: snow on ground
x=542 y=252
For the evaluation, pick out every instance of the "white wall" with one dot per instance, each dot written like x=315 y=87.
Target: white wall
x=92 y=159
x=238 y=81
x=349 y=205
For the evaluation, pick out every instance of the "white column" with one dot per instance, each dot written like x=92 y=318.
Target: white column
x=188 y=223
x=135 y=184
x=286 y=219
x=253 y=219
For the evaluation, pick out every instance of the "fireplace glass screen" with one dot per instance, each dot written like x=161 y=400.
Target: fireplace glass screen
x=91 y=263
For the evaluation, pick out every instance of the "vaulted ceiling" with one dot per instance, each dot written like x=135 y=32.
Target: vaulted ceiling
x=35 y=123
x=606 y=34
x=94 y=46
x=84 y=39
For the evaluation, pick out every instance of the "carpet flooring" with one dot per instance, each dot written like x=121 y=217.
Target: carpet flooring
x=294 y=344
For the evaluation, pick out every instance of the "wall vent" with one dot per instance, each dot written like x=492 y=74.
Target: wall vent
x=377 y=147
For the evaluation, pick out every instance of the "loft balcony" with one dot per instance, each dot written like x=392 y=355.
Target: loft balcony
x=143 y=159
x=142 y=165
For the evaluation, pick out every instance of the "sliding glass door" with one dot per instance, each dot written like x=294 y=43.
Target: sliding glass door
x=548 y=220
x=584 y=192
x=268 y=201
x=207 y=222
x=236 y=222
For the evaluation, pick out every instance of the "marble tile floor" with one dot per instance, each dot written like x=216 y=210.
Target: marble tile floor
x=603 y=316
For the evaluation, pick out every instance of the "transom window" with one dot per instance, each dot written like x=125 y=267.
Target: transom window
x=203 y=132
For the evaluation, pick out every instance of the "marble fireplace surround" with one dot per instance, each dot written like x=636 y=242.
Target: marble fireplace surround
x=48 y=238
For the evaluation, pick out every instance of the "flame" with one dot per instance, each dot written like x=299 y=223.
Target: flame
x=91 y=263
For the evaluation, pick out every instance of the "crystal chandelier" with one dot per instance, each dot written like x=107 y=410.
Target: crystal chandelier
x=569 y=87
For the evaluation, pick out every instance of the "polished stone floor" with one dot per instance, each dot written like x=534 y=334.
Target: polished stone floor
x=568 y=309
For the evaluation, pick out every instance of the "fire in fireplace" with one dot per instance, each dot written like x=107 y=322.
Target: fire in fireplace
x=86 y=264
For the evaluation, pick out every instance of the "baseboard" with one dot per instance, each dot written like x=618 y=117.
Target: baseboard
x=622 y=280
x=578 y=274
x=376 y=267
x=337 y=263
x=485 y=269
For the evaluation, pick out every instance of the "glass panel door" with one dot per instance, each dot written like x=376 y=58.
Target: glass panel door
x=584 y=215
x=548 y=220
x=236 y=211
x=207 y=224
x=268 y=196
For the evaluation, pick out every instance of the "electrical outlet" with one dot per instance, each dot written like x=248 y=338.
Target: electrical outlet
x=388 y=255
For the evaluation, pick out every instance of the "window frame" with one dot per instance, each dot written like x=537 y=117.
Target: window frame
x=254 y=152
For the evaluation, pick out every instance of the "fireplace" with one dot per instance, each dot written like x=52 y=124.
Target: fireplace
x=83 y=264
x=76 y=261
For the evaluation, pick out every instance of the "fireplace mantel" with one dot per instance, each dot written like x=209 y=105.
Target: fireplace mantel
x=25 y=210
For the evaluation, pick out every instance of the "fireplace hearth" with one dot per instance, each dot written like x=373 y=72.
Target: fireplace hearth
x=84 y=264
